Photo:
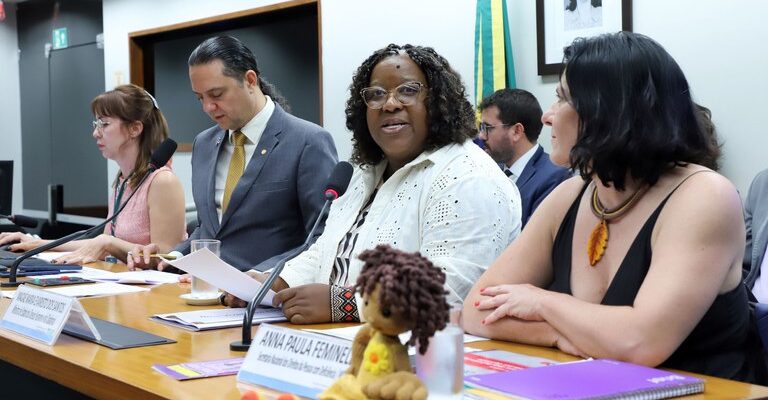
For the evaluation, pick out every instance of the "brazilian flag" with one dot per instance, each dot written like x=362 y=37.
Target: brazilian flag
x=494 y=67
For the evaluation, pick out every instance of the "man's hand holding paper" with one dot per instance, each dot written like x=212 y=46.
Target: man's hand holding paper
x=206 y=266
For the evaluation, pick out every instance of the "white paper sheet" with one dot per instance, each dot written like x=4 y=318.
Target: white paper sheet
x=51 y=255
x=148 y=277
x=349 y=333
x=206 y=266
x=218 y=318
x=86 y=290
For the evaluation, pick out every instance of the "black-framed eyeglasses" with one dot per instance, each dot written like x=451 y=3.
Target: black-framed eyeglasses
x=100 y=124
x=487 y=128
x=406 y=94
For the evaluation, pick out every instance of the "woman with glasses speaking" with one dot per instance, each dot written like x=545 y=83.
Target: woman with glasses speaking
x=129 y=126
x=419 y=184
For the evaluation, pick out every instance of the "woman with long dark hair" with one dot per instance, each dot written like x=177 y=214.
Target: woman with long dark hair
x=639 y=258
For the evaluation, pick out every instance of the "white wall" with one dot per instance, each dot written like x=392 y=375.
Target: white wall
x=720 y=46
x=10 y=106
x=723 y=49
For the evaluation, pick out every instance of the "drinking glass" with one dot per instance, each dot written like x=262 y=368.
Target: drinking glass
x=200 y=288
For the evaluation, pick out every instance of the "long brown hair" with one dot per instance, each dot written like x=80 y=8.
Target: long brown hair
x=131 y=103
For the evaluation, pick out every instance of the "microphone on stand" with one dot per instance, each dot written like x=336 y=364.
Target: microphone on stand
x=21 y=220
x=159 y=158
x=337 y=185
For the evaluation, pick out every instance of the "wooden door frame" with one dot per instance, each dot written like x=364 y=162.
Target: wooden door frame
x=141 y=45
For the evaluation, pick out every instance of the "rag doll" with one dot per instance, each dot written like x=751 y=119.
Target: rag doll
x=401 y=292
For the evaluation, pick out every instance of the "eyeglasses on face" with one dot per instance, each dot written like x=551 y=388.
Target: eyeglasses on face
x=406 y=94
x=100 y=124
x=486 y=128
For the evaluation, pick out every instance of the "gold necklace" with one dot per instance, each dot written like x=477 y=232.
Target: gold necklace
x=598 y=239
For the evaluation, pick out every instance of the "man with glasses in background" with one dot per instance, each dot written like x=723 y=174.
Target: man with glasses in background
x=510 y=127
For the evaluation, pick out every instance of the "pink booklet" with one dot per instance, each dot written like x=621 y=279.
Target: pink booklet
x=201 y=369
x=588 y=379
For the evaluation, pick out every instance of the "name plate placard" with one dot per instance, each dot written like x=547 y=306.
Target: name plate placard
x=41 y=315
x=280 y=357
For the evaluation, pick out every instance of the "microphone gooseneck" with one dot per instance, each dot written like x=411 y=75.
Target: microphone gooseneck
x=161 y=155
x=338 y=183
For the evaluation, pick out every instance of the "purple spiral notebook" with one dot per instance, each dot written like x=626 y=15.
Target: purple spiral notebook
x=589 y=379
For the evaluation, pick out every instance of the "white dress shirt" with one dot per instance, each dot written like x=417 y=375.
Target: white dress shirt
x=454 y=205
x=519 y=165
x=252 y=130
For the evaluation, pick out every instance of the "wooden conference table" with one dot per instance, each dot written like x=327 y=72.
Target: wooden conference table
x=102 y=373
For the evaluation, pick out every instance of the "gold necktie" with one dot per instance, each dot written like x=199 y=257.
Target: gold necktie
x=236 y=167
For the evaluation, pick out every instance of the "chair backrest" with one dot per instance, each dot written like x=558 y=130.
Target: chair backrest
x=761 y=315
x=190 y=214
x=6 y=187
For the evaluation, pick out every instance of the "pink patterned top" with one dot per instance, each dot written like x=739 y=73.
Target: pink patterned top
x=132 y=224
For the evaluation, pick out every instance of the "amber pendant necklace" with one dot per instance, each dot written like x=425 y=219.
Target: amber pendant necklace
x=598 y=239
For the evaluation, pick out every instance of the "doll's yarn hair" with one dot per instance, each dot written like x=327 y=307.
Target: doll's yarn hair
x=410 y=286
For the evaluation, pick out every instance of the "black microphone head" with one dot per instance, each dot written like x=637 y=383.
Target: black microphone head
x=24 y=221
x=338 y=181
x=162 y=154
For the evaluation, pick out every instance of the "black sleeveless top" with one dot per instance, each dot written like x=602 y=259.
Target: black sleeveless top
x=725 y=343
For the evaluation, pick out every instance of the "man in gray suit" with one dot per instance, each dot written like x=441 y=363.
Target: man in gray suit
x=756 y=221
x=257 y=176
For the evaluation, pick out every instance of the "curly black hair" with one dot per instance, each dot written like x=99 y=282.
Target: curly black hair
x=636 y=114
x=410 y=286
x=450 y=116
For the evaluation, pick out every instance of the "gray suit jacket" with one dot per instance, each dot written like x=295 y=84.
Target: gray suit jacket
x=277 y=199
x=756 y=220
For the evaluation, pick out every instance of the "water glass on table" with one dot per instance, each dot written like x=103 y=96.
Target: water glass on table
x=200 y=288
x=441 y=368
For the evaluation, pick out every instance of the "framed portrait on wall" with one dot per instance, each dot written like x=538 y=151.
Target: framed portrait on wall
x=558 y=22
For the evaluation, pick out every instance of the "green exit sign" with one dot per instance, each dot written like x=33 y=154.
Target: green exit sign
x=60 y=40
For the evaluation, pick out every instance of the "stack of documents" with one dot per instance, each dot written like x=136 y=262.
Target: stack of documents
x=207 y=266
x=218 y=318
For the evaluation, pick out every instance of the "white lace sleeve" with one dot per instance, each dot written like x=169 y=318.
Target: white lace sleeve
x=304 y=268
x=469 y=219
